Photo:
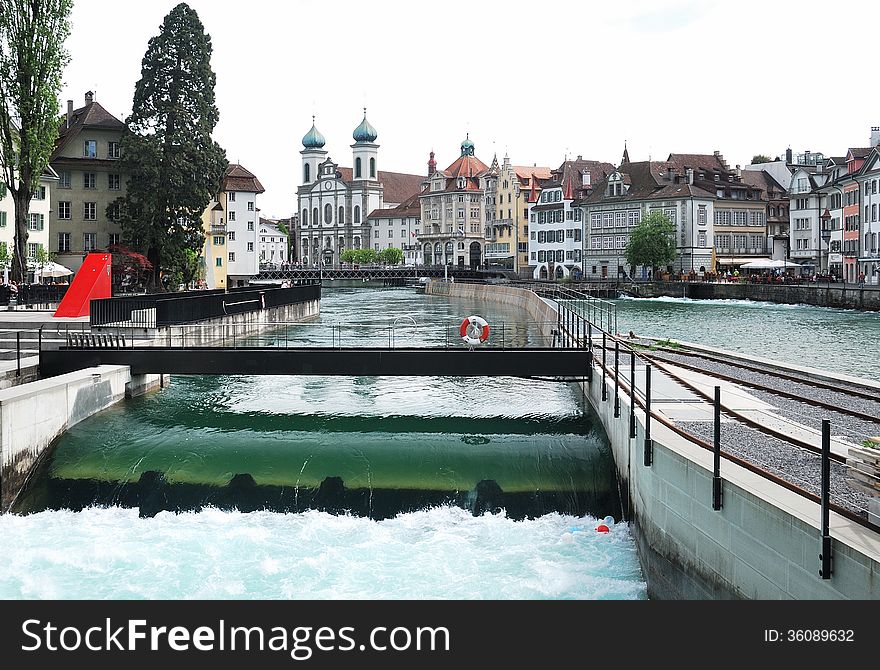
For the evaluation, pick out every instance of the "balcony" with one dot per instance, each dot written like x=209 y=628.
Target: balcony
x=218 y=229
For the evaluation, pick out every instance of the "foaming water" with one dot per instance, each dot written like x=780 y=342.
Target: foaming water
x=799 y=334
x=443 y=553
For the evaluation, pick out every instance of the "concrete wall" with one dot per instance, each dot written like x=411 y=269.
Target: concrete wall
x=763 y=544
x=33 y=415
x=835 y=295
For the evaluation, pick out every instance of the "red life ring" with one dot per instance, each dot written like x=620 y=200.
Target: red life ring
x=474 y=330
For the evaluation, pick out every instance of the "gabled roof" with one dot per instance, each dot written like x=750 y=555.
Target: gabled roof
x=680 y=162
x=763 y=180
x=240 y=179
x=90 y=117
x=410 y=208
x=398 y=186
x=647 y=181
x=525 y=172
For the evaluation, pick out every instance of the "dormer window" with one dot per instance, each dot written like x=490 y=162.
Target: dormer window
x=462 y=182
x=717 y=177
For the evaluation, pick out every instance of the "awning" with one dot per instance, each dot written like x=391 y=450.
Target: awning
x=727 y=260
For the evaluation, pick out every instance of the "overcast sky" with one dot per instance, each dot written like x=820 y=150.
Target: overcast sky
x=535 y=79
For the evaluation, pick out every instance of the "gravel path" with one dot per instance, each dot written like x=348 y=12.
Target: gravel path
x=855 y=429
x=795 y=465
x=805 y=389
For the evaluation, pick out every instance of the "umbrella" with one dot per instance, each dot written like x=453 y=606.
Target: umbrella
x=52 y=269
x=759 y=265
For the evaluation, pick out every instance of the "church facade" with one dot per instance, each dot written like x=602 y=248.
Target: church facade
x=334 y=202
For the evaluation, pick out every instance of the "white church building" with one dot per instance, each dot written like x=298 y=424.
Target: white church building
x=334 y=202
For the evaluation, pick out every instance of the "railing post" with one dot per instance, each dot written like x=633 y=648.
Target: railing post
x=604 y=387
x=632 y=394
x=18 y=353
x=616 y=379
x=716 y=476
x=649 y=446
x=826 y=555
x=590 y=335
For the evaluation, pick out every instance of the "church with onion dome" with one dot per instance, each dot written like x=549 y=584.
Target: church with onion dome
x=334 y=202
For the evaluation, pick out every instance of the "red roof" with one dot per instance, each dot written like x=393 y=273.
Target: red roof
x=240 y=179
x=466 y=166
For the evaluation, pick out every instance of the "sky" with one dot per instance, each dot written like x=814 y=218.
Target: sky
x=539 y=81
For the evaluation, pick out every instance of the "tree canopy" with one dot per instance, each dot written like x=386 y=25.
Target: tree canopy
x=174 y=166
x=32 y=59
x=392 y=256
x=359 y=256
x=652 y=242
x=760 y=158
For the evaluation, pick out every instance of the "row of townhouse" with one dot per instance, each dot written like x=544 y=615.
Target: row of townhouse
x=835 y=214
x=582 y=220
x=73 y=212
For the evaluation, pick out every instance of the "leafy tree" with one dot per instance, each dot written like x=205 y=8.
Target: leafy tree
x=652 y=242
x=41 y=258
x=347 y=256
x=363 y=256
x=32 y=59
x=174 y=166
x=4 y=256
x=392 y=256
x=760 y=158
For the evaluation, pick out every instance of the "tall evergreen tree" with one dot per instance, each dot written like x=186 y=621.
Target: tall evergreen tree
x=32 y=59
x=174 y=166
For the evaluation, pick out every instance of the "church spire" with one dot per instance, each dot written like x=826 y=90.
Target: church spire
x=625 y=159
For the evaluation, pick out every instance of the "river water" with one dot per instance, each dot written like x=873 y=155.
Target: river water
x=840 y=340
x=318 y=487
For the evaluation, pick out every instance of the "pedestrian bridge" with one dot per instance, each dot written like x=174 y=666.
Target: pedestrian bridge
x=355 y=361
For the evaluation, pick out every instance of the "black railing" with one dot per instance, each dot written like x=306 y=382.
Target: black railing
x=32 y=294
x=170 y=309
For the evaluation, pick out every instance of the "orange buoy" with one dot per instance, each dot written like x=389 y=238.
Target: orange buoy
x=602 y=528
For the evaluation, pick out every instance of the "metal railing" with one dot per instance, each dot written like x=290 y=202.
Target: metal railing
x=32 y=294
x=572 y=326
x=166 y=309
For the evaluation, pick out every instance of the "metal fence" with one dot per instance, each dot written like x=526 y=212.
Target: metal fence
x=32 y=294
x=618 y=363
x=166 y=309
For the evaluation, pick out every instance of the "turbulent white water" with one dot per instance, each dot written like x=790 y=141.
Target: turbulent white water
x=443 y=553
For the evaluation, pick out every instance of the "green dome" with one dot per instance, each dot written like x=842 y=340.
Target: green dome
x=365 y=132
x=313 y=139
x=467 y=147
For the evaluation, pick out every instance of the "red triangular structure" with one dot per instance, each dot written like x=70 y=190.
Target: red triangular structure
x=90 y=283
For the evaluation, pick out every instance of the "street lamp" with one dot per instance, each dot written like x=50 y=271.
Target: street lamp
x=825 y=234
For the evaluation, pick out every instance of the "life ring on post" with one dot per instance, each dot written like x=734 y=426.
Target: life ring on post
x=474 y=330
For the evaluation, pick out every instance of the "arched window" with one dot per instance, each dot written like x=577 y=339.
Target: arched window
x=328 y=214
x=315 y=220
x=307 y=173
x=357 y=242
x=357 y=167
x=357 y=214
x=341 y=217
x=305 y=218
x=372 y=168
x=341 y=244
